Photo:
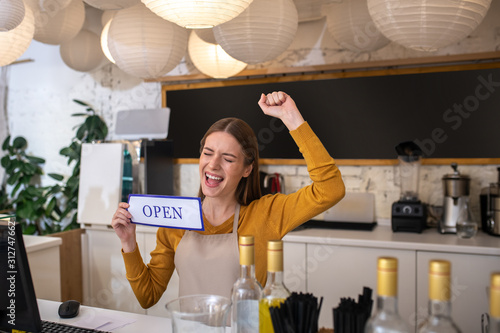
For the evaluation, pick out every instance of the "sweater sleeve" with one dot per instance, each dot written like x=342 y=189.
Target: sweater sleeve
x=150 y=281
x=286 y=212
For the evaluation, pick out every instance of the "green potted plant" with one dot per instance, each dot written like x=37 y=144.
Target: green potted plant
x=36 y=206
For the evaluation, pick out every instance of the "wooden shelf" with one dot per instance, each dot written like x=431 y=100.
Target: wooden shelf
x=360 y=162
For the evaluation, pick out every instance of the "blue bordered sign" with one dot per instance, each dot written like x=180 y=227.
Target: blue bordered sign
x=166 y=211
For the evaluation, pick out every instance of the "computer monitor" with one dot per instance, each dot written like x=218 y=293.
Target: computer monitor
x=18 y=303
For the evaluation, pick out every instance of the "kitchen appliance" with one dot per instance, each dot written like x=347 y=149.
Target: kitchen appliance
x=356 y=211
x=409 y=213
x=493 y=223
x=488 y=206
x=456 y=189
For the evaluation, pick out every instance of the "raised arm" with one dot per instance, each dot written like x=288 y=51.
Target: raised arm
x=280 y=105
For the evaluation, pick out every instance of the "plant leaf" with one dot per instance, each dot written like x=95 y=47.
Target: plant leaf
x=19 y=143
x=5 y=144
x=56 y=176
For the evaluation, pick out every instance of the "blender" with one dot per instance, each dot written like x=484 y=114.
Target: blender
x=409 y=213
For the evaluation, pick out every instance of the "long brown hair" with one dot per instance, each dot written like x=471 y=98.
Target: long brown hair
x=248 y=188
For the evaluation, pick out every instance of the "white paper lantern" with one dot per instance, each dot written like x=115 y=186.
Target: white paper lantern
x=196 y=14
x=427 y=25
x=352 y=27
x=261 y=33
x=211 y=59
x=107 y=15
x=310 y=10
x=104 y=42
x=11 y=14
x=64 y=26
x=145 y=45
x=45 y=10
x=82 y=53
x=15 y=42
x=112 y=4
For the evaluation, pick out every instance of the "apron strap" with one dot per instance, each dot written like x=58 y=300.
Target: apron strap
x=236 y=218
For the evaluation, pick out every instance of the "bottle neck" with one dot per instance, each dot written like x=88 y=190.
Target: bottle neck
x=387 y=304
x=274 y=277
x=439 y=308
x=247 y=271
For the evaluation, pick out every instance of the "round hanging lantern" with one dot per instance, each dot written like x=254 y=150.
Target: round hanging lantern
x=64 y=26
x=82 y=53
x=45 y=10
x=206 y=35
x=309 y=10
x=104 y=42
x=107 y=15
x=112 y=4
x=145 y=45
x=261 y=33
x=11 y=14
x=15 y=42
x=196 y=14
x=211 y=59
x=351 y=26
x=427 y=25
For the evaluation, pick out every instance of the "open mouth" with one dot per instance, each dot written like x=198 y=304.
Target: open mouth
x=213 y=180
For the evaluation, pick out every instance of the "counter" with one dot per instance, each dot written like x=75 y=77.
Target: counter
x=45 y=265
x=336 y=264
x=382 y=236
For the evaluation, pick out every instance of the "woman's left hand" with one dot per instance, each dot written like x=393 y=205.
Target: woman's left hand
x=280 y=105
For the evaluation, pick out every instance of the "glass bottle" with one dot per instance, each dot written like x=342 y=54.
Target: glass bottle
x=275 y=292
x=493 y=325
x=439 y=318
x=466 y=224
x=386 y=318
x=246 y=292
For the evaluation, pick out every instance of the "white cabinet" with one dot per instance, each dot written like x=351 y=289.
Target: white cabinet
x=45 y=267
x=334 y=264
x=105 y=282
x=336 y=272
x=470 y=278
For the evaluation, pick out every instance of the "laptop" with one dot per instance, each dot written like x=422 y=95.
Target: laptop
x=18 y=304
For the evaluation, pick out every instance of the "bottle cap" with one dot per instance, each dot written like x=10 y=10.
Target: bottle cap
x=495 y=295
x=275 y=256
x=439 y=280
x=247 y=255
x=246 y=240
x=387 y=276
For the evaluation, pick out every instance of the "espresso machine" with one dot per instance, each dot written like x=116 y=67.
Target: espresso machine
x=456 y=189
x=409 y=214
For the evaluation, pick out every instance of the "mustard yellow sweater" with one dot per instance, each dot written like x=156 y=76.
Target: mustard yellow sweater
x=268 y=218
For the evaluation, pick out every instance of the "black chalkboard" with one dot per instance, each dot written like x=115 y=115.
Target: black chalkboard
x=449 y=114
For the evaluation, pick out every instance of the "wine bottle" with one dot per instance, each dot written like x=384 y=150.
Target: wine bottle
x=386 y=317
x=494 y=317
x=275 y=292
x=439 y=317
x=246 y=292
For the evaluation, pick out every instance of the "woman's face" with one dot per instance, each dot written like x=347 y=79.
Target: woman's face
x=222 y=165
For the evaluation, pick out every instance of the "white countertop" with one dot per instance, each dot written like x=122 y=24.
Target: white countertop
x=382 y=236
x=37 y=243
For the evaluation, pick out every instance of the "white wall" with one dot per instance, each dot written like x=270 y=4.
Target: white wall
x=41 y=93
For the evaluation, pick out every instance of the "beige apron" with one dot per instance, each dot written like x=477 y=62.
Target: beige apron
x=208 y=264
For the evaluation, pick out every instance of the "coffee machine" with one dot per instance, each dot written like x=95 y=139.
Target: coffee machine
x=409 y=214
x=456 y=189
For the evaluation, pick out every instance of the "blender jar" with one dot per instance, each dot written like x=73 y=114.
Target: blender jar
x=409 y=167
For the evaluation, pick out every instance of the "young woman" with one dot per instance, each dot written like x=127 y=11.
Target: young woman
x=208 y=261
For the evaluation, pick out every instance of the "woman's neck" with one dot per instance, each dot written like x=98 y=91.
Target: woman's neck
x=218 y=211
